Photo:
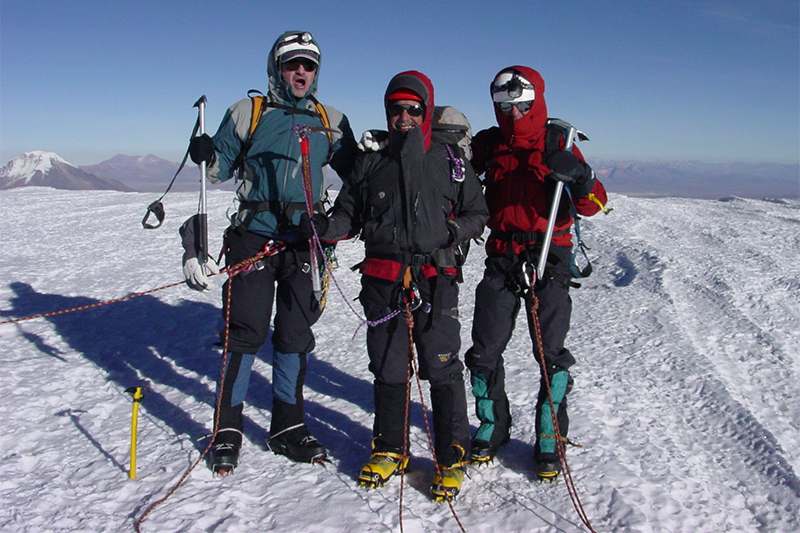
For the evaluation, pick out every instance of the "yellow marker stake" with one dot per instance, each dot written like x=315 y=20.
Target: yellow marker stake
x=138 y=394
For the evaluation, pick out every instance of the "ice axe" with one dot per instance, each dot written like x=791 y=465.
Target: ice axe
x=551 y=221
x=138 y=395
x=303 y=131
x=202 y=219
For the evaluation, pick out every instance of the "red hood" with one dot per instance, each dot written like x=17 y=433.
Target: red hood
x=420 y=84
x=530 y=129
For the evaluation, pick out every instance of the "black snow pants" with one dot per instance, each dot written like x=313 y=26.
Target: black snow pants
x=437 y=340
x=281 y=280
x=497 y=304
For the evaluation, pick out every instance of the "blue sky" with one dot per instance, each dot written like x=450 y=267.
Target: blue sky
x=700 y=80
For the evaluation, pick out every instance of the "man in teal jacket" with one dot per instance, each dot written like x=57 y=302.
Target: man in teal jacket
x=272 y=210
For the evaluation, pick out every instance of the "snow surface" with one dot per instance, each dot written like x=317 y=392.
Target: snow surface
x=27 y=164
x=686 y=395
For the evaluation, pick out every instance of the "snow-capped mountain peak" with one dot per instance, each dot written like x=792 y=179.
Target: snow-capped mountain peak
x=46 y=169
x=25 y=166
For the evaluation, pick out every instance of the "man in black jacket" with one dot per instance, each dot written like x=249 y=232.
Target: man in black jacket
x=413 y=203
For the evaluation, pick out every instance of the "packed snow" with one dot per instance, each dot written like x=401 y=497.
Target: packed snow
x=685 y=400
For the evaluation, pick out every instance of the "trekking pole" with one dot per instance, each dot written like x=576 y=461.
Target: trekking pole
x=551 y=221
x=138 y=394
x=202 y=211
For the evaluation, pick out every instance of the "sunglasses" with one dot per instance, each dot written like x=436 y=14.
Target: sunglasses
x=294 y=64
x=413 y=110
x=523 y=107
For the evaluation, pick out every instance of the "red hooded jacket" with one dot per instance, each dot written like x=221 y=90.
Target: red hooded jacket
x=517 y=193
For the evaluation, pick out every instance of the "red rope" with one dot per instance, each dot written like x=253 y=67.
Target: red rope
x=231 y=271
x=412 y=364
x=98 y=304
x=560 y=447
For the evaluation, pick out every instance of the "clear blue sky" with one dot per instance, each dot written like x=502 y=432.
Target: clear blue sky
x=649 y=80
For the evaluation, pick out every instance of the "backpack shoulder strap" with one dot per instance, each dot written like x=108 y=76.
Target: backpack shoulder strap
x=323 y=116
x=255 y=117
x=259 y=105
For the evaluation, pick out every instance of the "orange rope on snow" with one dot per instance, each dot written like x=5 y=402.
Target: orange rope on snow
x=412 y=367
x=560 y=441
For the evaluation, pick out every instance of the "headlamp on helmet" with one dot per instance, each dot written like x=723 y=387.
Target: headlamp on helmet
x=297 y=45
x=510 y=86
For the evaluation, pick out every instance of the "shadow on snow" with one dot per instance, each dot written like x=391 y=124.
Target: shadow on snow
x=146 y=342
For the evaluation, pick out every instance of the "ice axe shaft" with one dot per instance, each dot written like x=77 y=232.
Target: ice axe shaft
x=551 y=221
x=202 y=210
x=138 y=394
x=302 y=132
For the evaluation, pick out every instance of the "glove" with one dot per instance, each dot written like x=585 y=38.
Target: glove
x=305 y=230
x=373 y=140
x=202 y=149
x=195 y=273
x=576 y=174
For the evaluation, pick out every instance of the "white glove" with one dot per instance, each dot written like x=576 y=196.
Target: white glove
x=373 y=140
x=195 y=274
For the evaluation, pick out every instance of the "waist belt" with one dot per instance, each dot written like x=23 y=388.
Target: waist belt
x=534 y=237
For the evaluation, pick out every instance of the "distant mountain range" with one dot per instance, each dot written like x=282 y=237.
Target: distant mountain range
x=148 y=173
x=693 y=179
x=690 y=179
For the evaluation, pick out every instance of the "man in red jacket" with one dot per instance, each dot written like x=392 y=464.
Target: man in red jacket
x=521 y=173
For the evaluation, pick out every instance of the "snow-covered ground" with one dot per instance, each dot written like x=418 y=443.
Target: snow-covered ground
x=686 y=398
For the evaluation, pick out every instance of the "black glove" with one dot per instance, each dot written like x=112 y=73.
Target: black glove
x=568 y=167
x=305 y=231
x=202 y=149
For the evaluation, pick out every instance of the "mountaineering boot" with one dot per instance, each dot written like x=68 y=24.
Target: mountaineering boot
x=223 y=456
x=380 y=467
x=483 y=453
x=224 y=453
x=548 y=464
x=298 y=444
x=447 y=480
x=492 y=408
x=547 y=467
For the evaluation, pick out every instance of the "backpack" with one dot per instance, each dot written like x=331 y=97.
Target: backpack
x=260 y=105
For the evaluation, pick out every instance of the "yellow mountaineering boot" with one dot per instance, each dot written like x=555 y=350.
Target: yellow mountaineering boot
x=447 y=481
x=380 y=467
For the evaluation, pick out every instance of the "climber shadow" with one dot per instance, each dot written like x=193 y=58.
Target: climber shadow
x=137 y=342
x=173 y=351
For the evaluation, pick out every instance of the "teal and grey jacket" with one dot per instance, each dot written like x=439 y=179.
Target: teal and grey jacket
x=272 y=171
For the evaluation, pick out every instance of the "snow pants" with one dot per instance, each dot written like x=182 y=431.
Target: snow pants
x=281 y=280
x=437 y=339
x=497 y=305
